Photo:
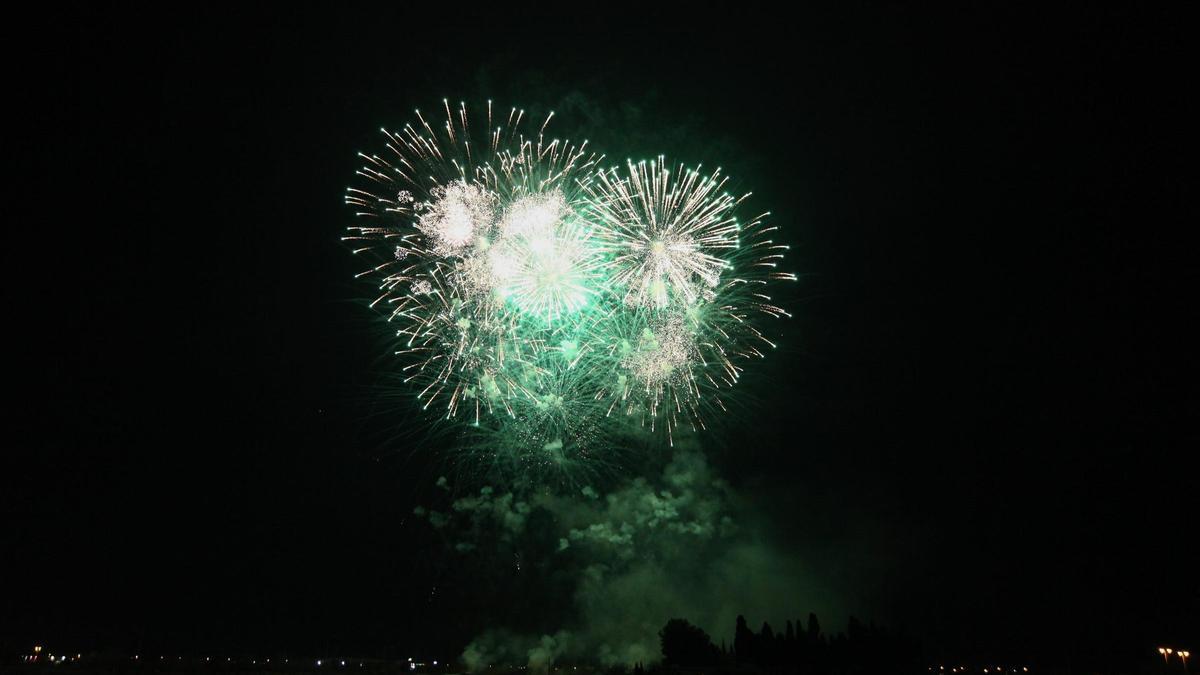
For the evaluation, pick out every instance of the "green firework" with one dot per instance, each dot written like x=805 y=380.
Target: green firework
x=552 y=305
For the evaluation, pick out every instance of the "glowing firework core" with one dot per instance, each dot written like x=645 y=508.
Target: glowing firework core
x=458 y=212
x=543 y=261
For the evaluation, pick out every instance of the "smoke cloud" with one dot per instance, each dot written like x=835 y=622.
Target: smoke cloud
x=680 y=544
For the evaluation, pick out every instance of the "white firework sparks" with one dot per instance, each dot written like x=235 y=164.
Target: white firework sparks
x=545 y=296
x=664 y=355
x=543 y=260
x=459 y=214
x=667 y=234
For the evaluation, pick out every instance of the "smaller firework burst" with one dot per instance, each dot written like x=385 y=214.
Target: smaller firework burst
x=667 y=235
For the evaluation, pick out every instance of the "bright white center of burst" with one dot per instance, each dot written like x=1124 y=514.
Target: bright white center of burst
x=672 y=262
x=541 y=260
x=458 y=228
x=535 y=217
x=454 y=215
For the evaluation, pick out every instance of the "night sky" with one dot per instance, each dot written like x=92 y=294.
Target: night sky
x=979 y=426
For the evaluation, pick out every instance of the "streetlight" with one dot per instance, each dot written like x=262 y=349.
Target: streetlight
x=1166 y=653
x=1184 y=655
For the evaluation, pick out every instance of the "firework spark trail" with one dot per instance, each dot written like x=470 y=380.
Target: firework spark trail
x=664 y=236
x=549 y=301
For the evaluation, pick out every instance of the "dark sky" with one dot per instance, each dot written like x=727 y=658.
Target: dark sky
x=987 y=397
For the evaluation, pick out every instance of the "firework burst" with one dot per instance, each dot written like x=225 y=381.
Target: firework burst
x=551 y=303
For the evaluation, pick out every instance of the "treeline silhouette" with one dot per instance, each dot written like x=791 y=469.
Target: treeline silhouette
x=799 y=649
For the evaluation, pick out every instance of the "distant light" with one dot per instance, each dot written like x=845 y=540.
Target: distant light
x=318 y=662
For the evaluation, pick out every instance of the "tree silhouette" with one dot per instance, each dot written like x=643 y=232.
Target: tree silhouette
x=743 y=642
x=687 y=646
